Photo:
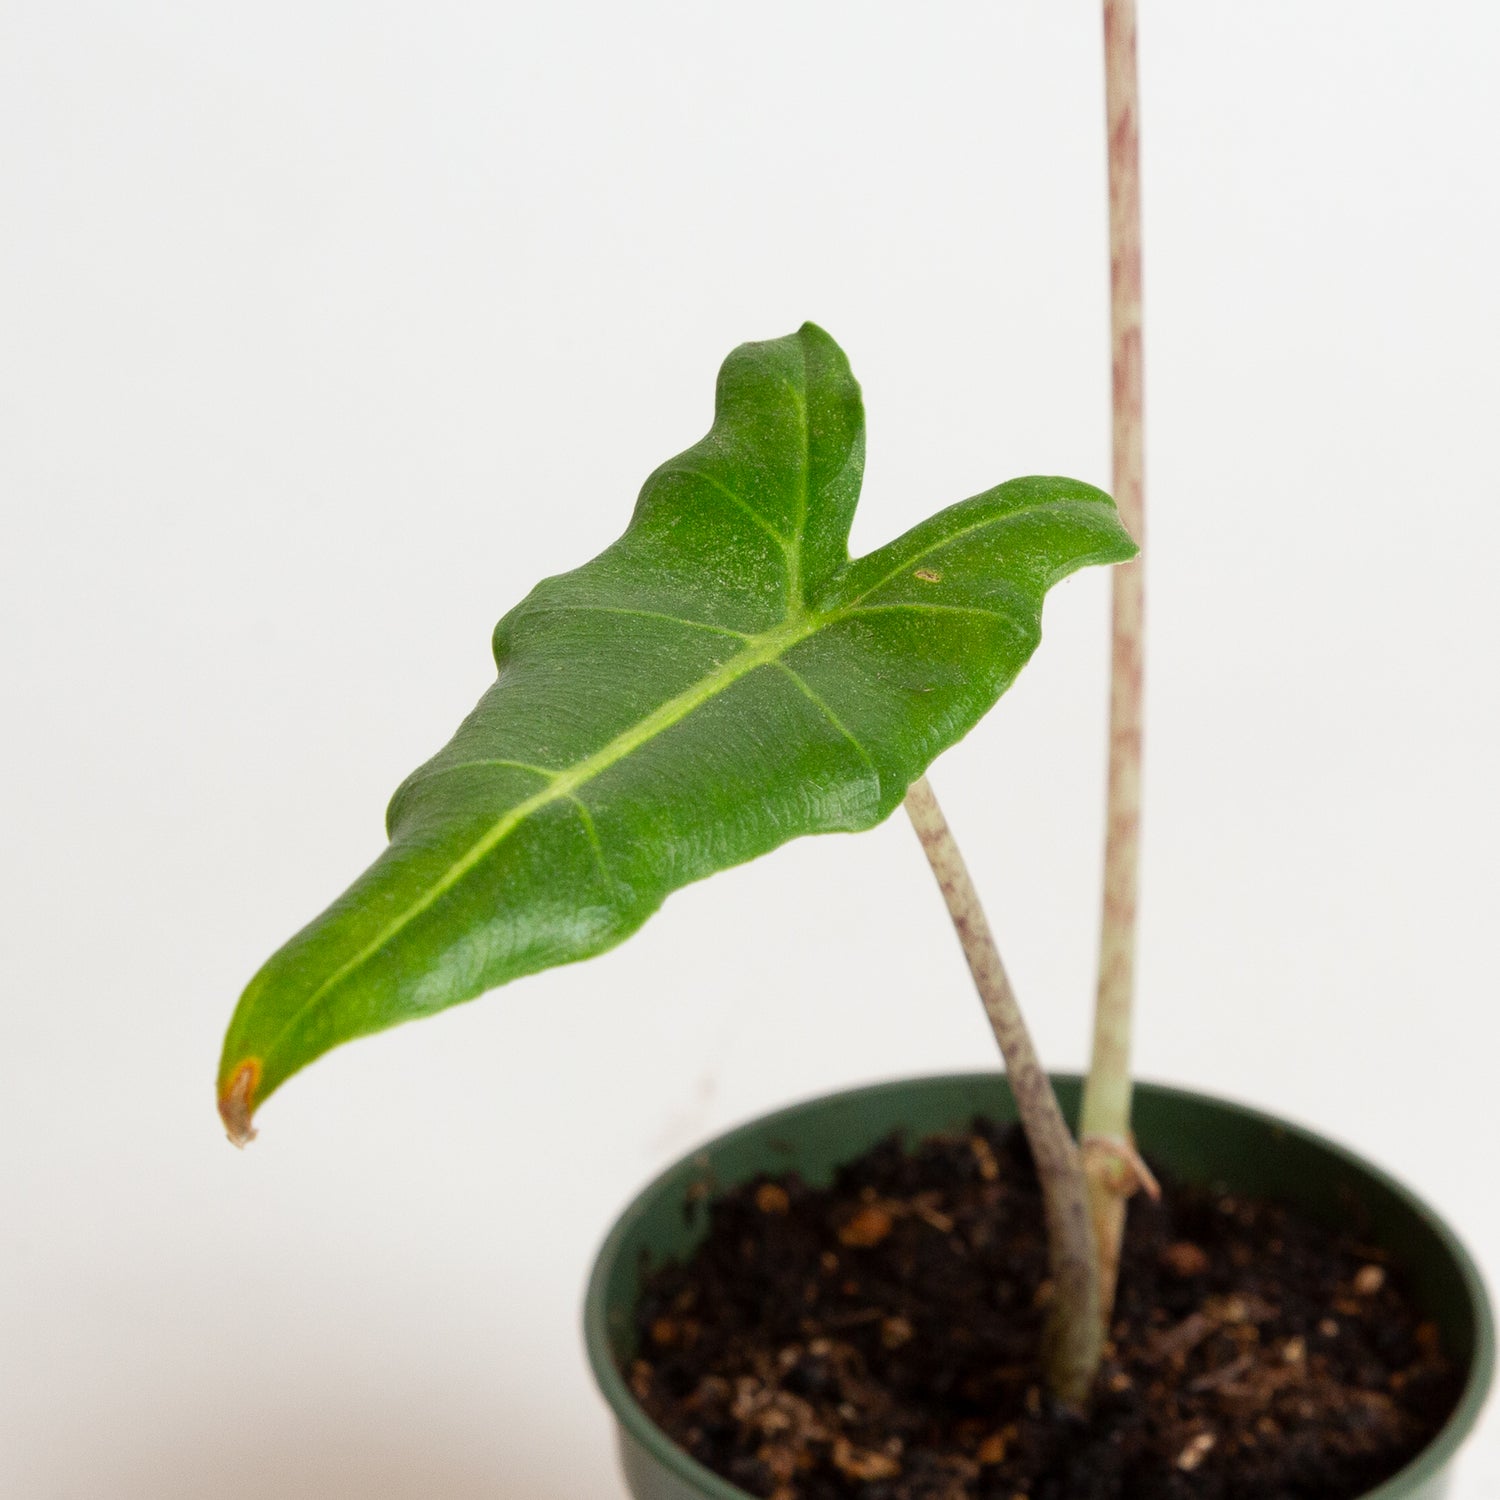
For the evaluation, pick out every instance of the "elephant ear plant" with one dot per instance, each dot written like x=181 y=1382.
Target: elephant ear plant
x=722 y=679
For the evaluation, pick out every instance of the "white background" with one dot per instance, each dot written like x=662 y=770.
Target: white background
x=326 y=330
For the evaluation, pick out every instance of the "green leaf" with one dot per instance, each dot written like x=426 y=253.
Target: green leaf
x=720 y=680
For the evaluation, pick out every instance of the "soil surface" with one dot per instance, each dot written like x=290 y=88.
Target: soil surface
x=876 y=1340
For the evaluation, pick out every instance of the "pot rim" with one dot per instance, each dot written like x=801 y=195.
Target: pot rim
x=632 y=1417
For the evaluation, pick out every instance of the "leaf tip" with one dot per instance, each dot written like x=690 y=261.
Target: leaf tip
x=237 y=1102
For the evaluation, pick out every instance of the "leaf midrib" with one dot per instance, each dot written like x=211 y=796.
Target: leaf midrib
x=759 y=651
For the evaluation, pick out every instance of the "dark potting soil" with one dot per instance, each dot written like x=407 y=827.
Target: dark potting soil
x=877 y=1340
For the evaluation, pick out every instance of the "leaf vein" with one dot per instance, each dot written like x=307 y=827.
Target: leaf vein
x=587 y=819
x=744 y=505
x=925 y=609
x=467 y=765
x=794 y=557
x=640 y=614
x=817 y=699
x=948 y=541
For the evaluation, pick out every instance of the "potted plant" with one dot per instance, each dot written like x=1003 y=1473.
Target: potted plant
x=724 y=678
x=718 y=681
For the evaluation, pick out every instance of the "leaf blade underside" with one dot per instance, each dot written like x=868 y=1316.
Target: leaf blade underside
x=720 y=680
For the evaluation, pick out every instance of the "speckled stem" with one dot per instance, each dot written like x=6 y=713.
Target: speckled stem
x=1074 y=1329
x=1105 y=1126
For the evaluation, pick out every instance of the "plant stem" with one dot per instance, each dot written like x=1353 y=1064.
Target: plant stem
x=1074 y=1328
x=1105 y=1124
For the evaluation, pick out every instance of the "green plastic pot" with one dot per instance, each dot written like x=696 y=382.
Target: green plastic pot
x=1198 y=1138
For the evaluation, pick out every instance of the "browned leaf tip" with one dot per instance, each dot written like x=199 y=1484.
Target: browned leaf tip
x=237 y=1102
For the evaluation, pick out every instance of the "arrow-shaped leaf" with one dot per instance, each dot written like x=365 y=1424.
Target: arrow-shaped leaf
x=720 y=680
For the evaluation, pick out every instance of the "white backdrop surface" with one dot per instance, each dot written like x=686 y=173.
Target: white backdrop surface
x=327 y=329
